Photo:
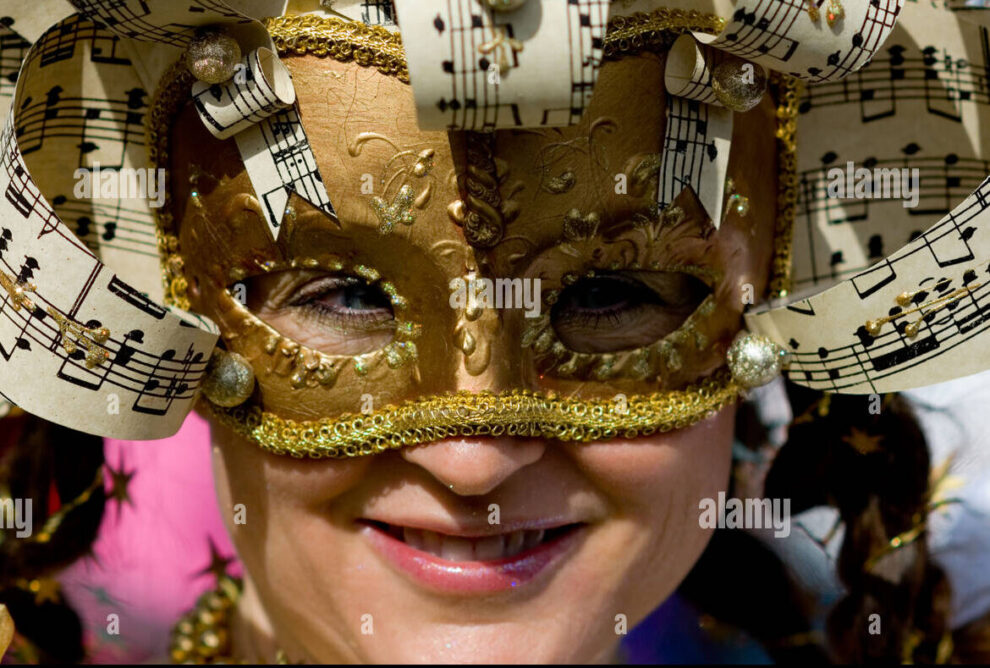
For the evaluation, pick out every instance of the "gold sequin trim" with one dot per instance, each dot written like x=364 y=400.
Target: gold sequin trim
x=346 y=41
x=788 y=92
x=521 y=413
x=173 y=92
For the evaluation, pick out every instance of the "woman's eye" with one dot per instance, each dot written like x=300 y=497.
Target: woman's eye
x=612 y=312
x=336 y=314
x=344 y=294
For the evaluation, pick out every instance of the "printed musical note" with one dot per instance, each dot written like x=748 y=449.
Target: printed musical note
x=135 y=298
x=907 y=73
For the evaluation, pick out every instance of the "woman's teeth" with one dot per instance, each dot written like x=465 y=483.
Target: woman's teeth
x=457 y=548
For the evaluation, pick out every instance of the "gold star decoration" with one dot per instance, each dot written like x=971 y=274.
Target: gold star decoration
x=863 y=442
x=44 y=589
x=218 y=564
x=119 y=480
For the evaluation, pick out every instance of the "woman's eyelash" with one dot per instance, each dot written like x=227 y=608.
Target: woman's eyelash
x=313 y=290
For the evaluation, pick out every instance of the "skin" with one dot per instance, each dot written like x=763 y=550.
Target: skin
x=311 y=575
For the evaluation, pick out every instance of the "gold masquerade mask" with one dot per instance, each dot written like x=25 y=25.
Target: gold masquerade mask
x=580 y=310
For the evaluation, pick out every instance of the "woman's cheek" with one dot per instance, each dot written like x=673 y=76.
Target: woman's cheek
x=639 y=476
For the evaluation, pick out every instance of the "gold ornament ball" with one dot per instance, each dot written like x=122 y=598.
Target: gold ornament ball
x=504 y=5
x=754 y=360
x=739 y=85
x=212 y=57
x=229 y=379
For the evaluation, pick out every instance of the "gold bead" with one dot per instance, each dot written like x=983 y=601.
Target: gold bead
x=873 y=327
x=739 y=85
x=754 y=360
x=213 y=56
x=911 y=330
x=503 y=5
x=229 y=379
x=903 y=299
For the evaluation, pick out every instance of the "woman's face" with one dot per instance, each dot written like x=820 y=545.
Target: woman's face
x=475 y=549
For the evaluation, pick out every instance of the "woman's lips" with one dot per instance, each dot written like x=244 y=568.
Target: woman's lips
x=472 y=565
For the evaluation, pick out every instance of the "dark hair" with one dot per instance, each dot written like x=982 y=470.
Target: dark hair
x=873 y=466
x=49 y=465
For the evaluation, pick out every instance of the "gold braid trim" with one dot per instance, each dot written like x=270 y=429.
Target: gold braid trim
x=788 y=91
x=375 y=46
x=639 y=32
x=520 y=413
x=346 y=41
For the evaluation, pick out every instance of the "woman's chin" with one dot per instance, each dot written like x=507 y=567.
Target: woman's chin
x=516 y=642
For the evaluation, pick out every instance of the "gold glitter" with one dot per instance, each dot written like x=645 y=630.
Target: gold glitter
x=89 y=338
x=399 y=211
x=874 y=327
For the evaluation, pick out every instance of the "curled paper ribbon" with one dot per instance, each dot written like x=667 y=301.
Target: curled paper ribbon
x=916 y=318
x=474 y=69
x=79 y=346
x=688 y=72
x=261 y=87
x=782 y=36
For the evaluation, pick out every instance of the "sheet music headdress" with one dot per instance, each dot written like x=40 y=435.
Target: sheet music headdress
x=86 y=337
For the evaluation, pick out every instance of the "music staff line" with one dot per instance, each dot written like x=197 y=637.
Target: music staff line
x=939 y=179
x=812 y=202
x=876 y=84
x=104 y=226
x=24 y=195
x=85 y=119
x=59 y=44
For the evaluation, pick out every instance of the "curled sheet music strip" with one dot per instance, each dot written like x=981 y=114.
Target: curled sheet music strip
x=783 y=36
x=278 y=158
x=256 y=108
x=695 y=154
x=261 y=88
x=473 y=69
x=78 y=346
x=688 y=72
x=918 y=317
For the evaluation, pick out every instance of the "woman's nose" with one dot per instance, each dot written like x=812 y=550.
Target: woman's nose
x=475 y=465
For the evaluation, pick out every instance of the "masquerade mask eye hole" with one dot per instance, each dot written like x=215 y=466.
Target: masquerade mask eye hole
x=335 y=314
x=612 y=312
